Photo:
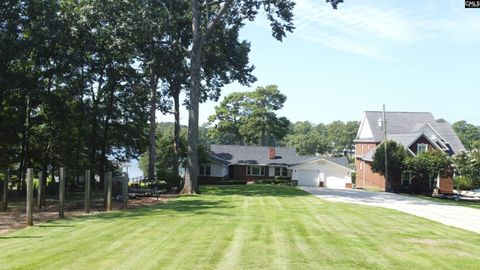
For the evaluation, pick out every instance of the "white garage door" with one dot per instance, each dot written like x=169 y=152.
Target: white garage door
x=335 y=182
x=307 y=178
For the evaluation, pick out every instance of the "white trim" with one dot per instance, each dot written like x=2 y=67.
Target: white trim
x=204 y=166
x=262 y=168
x=282 y=169
x=438 y=133
x=365 y=130
x=445 y=147
x=427 y=137
x=422 y=145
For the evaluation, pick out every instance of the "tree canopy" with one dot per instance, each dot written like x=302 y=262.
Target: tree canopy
x=468 y=134
x=467 y=165
x=250 y=117
x=335 y=137
x=396 y=155
x=81 y=81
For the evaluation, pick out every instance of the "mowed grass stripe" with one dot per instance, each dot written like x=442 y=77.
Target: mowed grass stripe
x=243 y=227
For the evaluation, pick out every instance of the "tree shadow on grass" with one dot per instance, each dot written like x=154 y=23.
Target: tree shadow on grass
x=20 y=237
x=180 y=207
x=213 y=201
x=47 y=225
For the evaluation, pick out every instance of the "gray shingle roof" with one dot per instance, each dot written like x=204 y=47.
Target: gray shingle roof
x=339 y=160
x=243 y=154
x=405 y=139
x=404 y=125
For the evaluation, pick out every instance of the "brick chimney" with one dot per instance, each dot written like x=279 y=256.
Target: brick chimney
x=272 y=154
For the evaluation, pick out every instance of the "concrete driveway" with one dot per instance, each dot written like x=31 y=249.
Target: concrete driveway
x=456 y=216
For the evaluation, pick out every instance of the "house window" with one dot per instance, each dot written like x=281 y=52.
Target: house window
x=255 y=170
x=205 y=170
x=421 y=147
x=406 y=179
x=279 y=171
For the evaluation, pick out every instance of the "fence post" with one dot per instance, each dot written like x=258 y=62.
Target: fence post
x=29 y=196
x=125 y=191
x=109 y=191
x=61 y=193
x=40 y=189
x=5 y=191
x=87 y=191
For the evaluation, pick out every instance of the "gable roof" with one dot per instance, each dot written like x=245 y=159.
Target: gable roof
x=340 y=161
x=244 y=154
x=404 y=126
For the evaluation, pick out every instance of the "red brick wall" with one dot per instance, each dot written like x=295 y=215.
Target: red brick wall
x=446 y=185
x=367 y=179
x=421 y=140
x=364 y=147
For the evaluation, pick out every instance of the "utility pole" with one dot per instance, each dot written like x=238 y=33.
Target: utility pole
x=387 y=182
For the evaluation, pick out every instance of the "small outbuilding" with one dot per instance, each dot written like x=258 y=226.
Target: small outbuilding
x=323 y=172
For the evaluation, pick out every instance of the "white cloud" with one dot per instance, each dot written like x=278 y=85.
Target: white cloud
x=376 y=29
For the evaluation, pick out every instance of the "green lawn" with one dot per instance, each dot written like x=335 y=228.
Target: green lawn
x=243 y=227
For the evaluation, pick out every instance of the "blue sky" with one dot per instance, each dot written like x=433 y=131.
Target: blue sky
x=409 y=55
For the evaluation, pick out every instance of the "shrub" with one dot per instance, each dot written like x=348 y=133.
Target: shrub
x=284 y=182
x=463 y=183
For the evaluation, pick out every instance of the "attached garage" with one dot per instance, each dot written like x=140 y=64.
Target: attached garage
x=331 y=173
x=335 y=182
x=307 y=177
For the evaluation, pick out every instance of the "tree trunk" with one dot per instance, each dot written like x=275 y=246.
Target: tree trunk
x=94 y=125
x=153 y=127
x=24 y=151
x=53 y=173
x=6 y=180
x=198 y=40
x=93 y=140
x=190 y=184
x=176 y=131
x=106 y=126
x=44 y=175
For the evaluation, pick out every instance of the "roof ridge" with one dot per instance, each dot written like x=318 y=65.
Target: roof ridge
x=398 y=112
x=258 y=146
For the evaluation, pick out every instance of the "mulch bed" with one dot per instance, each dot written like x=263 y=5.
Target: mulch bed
x=15 y=216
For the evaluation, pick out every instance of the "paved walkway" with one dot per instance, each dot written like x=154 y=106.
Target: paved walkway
x=456 y=216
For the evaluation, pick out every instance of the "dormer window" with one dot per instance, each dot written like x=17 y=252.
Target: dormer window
x=421 y=147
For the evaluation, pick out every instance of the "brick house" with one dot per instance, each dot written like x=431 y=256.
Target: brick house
x=417 y=132
x=248 y=163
